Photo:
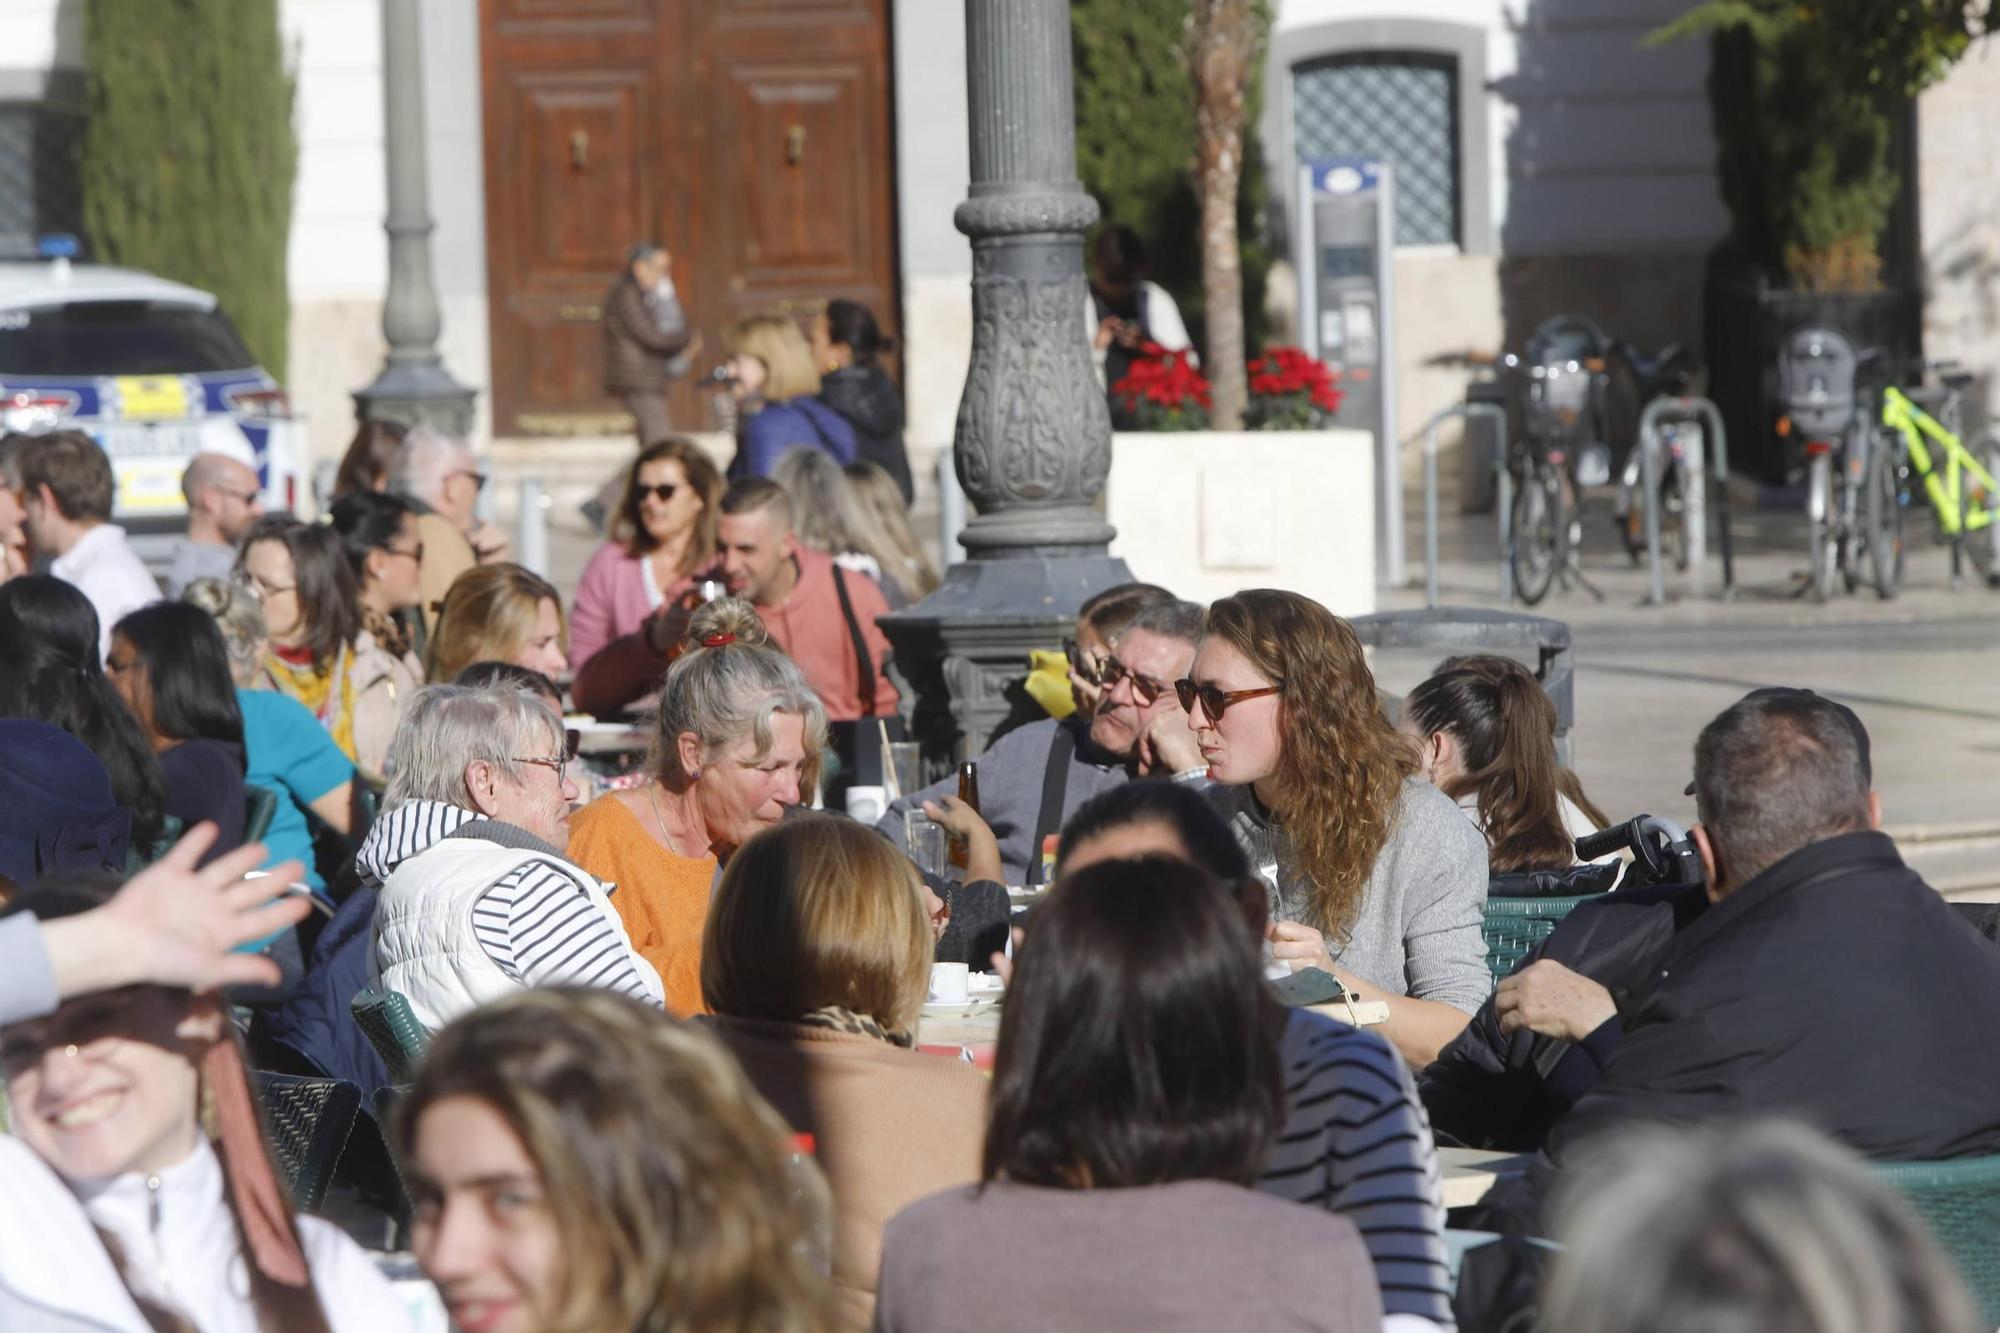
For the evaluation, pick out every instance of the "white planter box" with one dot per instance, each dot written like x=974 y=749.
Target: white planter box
x=1208 y=512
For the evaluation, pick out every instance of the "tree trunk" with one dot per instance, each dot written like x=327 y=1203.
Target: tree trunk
x=1222 y=43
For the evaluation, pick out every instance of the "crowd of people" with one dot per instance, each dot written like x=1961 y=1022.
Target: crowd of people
x=673 y=1076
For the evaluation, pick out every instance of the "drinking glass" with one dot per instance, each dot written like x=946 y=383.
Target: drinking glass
x=928 y=843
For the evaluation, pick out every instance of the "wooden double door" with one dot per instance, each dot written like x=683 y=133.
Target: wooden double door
x=752 y=138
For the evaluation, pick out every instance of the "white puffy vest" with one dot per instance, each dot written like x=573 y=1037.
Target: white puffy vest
x=424 y=942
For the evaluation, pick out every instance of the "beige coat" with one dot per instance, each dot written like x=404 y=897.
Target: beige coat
x=383 y=684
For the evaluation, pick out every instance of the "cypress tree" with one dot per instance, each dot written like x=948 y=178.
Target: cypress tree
x=189 y=155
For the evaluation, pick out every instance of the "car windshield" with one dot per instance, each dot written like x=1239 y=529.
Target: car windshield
x=117 y=338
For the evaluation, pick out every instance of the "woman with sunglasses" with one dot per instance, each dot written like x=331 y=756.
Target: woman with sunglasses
x=661 y=535
x=386 y=551
x=321 y=652
x=1375 y=876
x=139 y=1190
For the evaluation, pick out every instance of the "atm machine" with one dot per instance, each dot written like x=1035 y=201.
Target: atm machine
x=1344 y=255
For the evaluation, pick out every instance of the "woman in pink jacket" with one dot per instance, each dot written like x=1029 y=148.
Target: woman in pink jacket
x=662 y=534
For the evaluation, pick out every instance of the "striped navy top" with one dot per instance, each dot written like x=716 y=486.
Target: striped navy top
x=1356 y=1142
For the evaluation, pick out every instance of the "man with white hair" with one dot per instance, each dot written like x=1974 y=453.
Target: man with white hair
x=222 y=502
x=441 y=473
x=476 y=896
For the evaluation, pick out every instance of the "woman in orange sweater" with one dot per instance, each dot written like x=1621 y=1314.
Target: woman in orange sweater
x=739 y=740
x=816 y=962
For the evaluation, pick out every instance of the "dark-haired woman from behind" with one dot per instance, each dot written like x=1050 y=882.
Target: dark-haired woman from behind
x=1487 y=735
x=848 y=346
x=169 y=664
x=49 y=673
x=1136 y=1093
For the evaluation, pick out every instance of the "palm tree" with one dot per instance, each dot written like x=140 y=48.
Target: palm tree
x=1225 y=38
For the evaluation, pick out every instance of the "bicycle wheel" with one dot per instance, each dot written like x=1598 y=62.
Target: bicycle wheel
x=1882 y=512
x=1673 y=517
x=1538 y=533
x=1825 y=537
x=1982 y=544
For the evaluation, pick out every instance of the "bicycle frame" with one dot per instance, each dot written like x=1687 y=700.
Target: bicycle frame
x=1916 y=426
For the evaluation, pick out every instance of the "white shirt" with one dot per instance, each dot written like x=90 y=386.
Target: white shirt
x=180 y=1246
x=104 y=568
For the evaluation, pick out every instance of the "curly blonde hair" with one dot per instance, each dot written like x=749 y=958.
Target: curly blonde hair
x=664 y=1170
x=1341 y=764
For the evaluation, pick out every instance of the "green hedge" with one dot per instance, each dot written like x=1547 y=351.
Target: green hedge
x=1135 y=146
x=189 y=156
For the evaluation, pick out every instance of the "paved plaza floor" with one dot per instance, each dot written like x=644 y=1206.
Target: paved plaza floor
x=1923 y=670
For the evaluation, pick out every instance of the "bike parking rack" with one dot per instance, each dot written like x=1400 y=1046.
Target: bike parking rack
x=1695 y=518
x=1505 y=503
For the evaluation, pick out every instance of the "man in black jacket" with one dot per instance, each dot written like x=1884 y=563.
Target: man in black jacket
x=1827 y=981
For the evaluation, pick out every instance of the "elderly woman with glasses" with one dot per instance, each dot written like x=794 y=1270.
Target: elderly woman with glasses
x=321 y=652
x=477 y=899
x=1375 y=876
x=738 y=744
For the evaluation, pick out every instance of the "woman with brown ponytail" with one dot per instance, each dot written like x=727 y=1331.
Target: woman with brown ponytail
x=138 y=1191
x=1373 y=875
x=1487 y=735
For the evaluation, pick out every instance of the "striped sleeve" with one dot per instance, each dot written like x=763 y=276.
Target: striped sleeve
x=541 y=929
x=1356 y=1142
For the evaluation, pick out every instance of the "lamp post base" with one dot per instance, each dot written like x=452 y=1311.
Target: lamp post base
x=420 y=393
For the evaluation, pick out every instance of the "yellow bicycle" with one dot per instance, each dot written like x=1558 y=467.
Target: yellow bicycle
x=1963 y=492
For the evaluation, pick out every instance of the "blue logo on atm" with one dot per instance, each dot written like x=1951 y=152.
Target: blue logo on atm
x=1345 y=175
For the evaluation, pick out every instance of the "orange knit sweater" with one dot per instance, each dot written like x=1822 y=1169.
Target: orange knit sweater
x=662 y=896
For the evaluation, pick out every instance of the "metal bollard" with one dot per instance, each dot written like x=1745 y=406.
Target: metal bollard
x=1461 y=410
x=531 y=539
x=1714 y=434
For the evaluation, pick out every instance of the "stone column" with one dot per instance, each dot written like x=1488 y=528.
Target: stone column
x=1033 y=442
x=413 y=386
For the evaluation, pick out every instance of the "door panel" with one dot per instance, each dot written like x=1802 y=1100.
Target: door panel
x=751 y=137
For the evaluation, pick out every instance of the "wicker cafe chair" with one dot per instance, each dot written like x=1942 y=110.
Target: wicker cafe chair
x=393 y=1030
x=1960 y=1202
x=307 y=1121
x=1514 y=926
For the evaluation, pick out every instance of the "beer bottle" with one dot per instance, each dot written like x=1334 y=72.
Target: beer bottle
x=968 y=791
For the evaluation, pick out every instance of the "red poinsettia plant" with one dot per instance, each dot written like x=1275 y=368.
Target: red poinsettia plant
x=1290 y=390
x=1162 y=390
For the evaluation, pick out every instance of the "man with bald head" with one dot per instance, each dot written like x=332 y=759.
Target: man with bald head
x=222 y=502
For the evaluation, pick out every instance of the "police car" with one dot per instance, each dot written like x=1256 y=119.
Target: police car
x=150 y=369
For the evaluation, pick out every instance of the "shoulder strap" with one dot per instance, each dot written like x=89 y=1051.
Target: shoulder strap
x=864 y=667
x=1055 y=786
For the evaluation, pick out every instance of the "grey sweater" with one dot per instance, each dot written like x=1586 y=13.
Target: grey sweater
x=1194 y=1255
x=1418 y=932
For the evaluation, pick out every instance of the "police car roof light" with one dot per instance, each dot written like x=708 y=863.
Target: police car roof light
x=58 y=245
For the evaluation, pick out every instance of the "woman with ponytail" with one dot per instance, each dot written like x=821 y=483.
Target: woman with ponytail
x=1487 y=735
x=1373 y=875
x=139 y=1192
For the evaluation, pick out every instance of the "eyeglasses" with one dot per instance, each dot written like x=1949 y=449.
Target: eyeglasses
x=663 y=492
x=417 y=554
x=266 y=591
x=478 y=478
x=1145 y=690
x=1214 y=700
x=245 y=497
x=1088 y=669
x=558 y=763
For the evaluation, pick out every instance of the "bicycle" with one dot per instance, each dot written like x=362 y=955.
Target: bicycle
x=1670 y=374
x=1966 y=499
x=1850 y=492
x=1559 y=453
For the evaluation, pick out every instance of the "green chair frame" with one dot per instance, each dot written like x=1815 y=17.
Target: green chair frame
x=393 y=1030
x=307 y=1122
x=1514 y=926
x=1959 y=1201
x=260 y=809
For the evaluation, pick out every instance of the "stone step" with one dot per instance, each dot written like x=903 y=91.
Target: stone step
x=1961 y=861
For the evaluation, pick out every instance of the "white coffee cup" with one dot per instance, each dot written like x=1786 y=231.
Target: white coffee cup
x=867 y=804
x=950 y=983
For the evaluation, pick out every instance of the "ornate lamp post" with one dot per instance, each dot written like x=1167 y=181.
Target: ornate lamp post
x=413 y=386
x=1033 y=442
